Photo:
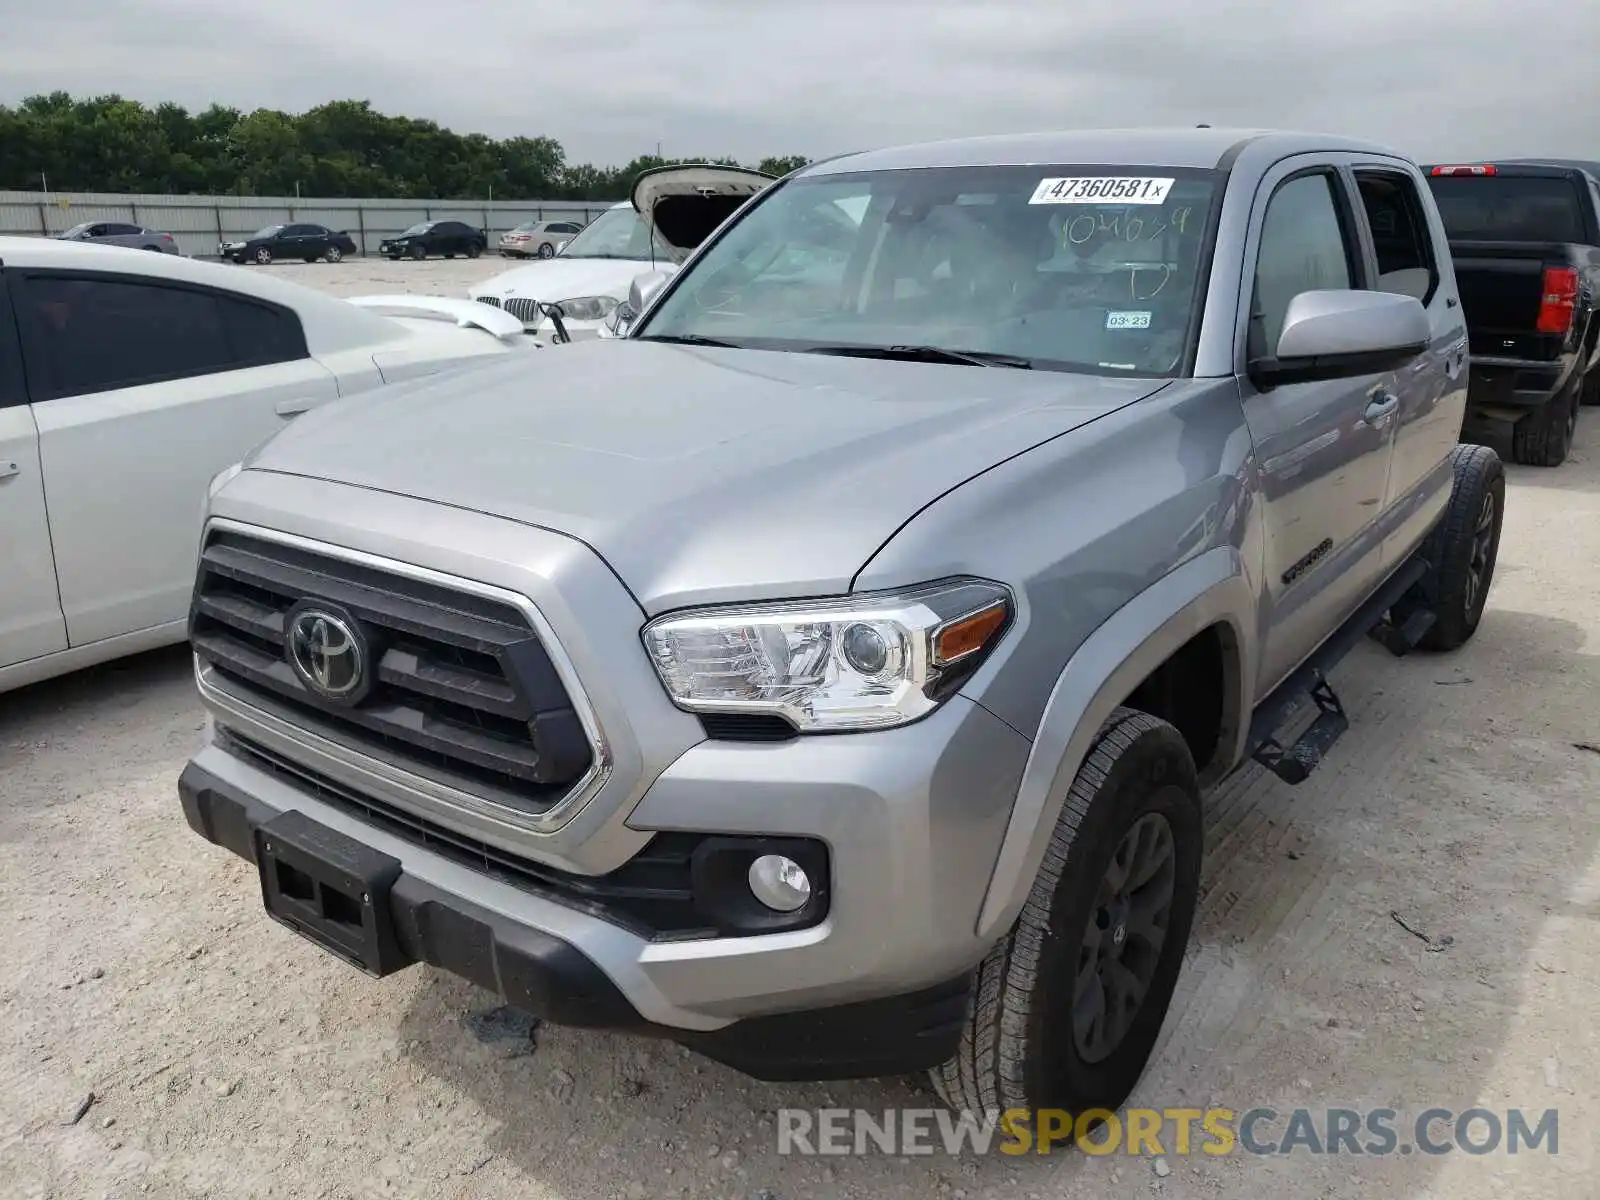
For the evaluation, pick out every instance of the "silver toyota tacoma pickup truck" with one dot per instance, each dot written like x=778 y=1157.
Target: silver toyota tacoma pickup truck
x=827 y=673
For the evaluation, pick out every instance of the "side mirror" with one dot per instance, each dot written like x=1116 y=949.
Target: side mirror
x=1335 y=334
x=645 y=288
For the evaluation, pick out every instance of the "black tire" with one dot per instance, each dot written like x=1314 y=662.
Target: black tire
x=335 y=254
x=1464 y=547
x=546 y=250
x=1591 y=387
x=474 y=250
x=1543 y=438
x=419 y=252
x=1022 y=1046
x=263 y=257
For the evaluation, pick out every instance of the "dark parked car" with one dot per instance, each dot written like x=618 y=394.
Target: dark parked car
x=1525 y=238
x=120 y=233
x=302 y=241
x=448 y=238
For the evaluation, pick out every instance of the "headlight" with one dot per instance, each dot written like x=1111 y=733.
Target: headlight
x=588 y=308
x=858 y=662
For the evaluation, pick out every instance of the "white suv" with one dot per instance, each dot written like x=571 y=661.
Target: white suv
x=671 y=211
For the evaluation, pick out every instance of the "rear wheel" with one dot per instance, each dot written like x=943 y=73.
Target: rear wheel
x=474 y=250
x=1067 y=1008
x=1463 y=548
x=1543 y=438
x=335 y=254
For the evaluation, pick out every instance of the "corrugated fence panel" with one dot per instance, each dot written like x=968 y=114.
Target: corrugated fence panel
x=199 y=222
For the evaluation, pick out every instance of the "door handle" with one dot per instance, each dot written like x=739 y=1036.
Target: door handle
x=1383 y=404
x=8 y=469
x=293 y=408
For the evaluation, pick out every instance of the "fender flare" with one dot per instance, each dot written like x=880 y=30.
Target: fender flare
x=1208 y=590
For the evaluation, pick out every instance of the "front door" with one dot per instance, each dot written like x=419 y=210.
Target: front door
x=142 y=391
x=1323 y=448
x=30 y=609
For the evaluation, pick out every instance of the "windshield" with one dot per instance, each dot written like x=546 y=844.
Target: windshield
x=75 y=230
x=417 y=230
x=1057 y=267
x=267 y=231
x=1508 y=208
x=616 y=233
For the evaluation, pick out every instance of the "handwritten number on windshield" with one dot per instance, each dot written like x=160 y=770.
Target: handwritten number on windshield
x=1128 y=227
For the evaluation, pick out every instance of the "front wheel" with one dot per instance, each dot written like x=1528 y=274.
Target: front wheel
x=546 y=250
x=1463 y=548
x=1067 y=1007
x=264 y=256
x=419 y=252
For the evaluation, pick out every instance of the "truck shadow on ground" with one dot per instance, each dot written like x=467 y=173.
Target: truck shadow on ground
x=1364 y=940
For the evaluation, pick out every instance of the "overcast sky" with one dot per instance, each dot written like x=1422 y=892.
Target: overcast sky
x=611 y=78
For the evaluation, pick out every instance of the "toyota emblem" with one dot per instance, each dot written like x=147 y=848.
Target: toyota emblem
x=328 y=653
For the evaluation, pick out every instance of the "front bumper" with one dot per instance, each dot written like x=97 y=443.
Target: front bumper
x=531 y=952
x=911 y=818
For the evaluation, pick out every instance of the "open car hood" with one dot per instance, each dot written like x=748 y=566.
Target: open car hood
x=685 y=204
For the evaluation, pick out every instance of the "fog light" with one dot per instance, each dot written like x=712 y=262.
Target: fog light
x=779 y=883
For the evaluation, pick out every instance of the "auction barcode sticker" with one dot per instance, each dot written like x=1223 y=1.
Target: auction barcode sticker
x=1102 y=189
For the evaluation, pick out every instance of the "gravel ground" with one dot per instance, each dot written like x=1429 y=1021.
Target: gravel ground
x=227 y=1058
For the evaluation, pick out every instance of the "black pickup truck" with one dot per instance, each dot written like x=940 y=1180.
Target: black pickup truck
x=1525 y=237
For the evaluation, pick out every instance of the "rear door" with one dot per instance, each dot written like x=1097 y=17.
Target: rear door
x=143 y=389
x=31 y=624
x=1410 y=258
x=1323 y=448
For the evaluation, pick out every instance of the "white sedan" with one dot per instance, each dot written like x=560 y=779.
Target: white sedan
x=672 y=210
x=127 y=382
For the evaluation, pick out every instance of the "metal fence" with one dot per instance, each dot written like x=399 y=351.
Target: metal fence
x=198 y=223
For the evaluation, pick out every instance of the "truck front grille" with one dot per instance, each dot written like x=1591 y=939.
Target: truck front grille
x=464 y=692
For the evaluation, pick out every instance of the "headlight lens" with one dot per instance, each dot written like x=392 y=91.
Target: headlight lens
x=858 y=662
x=588 y=308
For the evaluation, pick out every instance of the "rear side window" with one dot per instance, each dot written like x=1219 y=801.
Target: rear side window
x=259 y=334
x=1399 y=227
x=1508 y=208
x=85 y=334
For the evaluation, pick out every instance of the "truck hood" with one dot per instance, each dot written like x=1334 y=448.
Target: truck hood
x=558 y=278
x=701 y=475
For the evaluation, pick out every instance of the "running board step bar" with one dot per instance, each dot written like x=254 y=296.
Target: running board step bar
x=1294 y=763
x=1299 y=760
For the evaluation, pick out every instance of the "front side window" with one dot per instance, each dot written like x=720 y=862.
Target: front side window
x=268 y=231
x=1058 y=267
x=1303 y=248
x=96 y=334
x=617 y=233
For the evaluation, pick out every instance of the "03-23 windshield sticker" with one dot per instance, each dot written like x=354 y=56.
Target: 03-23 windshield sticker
x=1102 y=189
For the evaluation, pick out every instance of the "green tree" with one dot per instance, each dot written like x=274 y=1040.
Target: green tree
x=339 y=149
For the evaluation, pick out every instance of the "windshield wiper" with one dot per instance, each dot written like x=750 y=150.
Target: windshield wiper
x=685 y=339
x=929 y=354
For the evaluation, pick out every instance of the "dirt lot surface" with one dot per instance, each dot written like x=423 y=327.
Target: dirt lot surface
x=379 y=276
x=227 y=1058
